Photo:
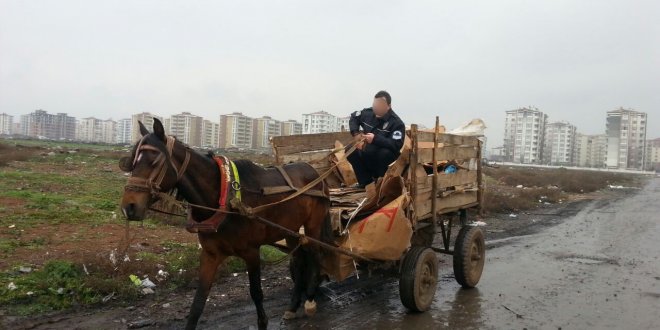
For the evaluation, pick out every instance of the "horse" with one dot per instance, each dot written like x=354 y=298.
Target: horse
x=159 y=163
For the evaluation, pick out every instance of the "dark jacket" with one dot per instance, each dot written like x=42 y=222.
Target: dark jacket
x=389 y=130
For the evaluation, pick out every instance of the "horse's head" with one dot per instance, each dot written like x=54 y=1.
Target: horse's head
x=153 y=170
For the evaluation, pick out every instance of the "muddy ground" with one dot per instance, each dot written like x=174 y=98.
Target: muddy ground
x=590 y=262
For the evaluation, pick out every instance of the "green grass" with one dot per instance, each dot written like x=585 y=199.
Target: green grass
x=61 y=284
x=63 y=144
x=58 y=285
x=57 y=194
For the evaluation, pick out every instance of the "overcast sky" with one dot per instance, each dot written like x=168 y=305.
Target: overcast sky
x=459 y=60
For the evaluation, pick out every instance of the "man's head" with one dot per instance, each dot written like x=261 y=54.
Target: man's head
x=382 y=103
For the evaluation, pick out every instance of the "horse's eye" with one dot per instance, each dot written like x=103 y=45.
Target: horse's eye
x=125 y=164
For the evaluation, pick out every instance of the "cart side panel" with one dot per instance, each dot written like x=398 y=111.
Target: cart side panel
x=450 y=203
x=294 y=144
x=455 y=191
x=445 y=139
x=309 y=148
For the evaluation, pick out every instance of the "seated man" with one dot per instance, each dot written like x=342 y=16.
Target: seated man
x=383 y=132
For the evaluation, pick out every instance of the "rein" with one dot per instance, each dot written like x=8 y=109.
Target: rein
x=248 y=211
x=153 y=186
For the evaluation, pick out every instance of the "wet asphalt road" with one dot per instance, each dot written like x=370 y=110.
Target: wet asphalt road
x=599 y=269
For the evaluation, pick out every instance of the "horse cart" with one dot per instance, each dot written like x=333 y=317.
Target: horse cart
x=431 y=188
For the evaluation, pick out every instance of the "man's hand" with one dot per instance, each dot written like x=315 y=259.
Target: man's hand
x=369 y=137
x=359 y=141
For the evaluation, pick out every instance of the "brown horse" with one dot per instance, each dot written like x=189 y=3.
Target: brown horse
x=159 y=163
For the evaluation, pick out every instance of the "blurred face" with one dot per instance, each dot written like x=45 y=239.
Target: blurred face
x=380 y=106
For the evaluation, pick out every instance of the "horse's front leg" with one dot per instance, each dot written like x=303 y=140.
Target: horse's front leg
x=210 y=259
x=253 y=262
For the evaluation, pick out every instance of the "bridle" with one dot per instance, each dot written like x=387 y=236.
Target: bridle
x=160 y=166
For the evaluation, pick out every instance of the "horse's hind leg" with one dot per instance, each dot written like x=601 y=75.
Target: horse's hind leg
x=312 y=278
x=320 y=230
x=298 y=276
x=209 y=262
x=253 y=262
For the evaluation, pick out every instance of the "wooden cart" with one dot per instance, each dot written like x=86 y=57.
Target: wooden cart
x=436 y=196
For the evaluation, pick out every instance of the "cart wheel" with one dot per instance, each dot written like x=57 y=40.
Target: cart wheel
x=469 y=256
x=419 y=278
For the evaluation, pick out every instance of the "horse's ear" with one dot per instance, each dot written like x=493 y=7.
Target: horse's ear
x=159 y=130
x=125 y=164
x=143 y=130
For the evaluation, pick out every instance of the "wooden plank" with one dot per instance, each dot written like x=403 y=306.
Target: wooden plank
x=445 y=204
x=447 y=153
x=461 y=177
x=441 y=129
x=289 y=144
x=310 y=157
x=428 y=145
x=480 y=195
x=434 y=184
x=320 y=167
x=413 y=175
x=448 y=139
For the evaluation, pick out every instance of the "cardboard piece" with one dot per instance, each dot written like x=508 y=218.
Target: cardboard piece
x=384 y=235
x=336 y=265
x=344 y=167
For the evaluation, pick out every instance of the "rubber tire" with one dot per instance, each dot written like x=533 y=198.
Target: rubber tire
x=469 y=256
x=419 y=278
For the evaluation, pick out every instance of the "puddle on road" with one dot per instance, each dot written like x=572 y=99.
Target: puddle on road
x=586 y=259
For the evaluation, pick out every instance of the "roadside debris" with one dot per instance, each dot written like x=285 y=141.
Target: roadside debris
x=108 y=297
x=136 y=280
x=620 y=187
x=25 y=270
x=141 y=323
x=147 y=283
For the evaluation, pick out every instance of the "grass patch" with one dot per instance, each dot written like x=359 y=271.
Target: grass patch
x=58 y=285
x=513 y=189
x=74 y=183
x=573 y=181
x=10 y=153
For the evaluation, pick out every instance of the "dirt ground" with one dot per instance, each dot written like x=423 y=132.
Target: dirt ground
x=571 y=265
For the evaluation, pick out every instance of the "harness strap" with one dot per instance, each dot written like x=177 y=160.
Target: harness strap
x=250 y=211
x=156 y=177
x=211 y=224
x=224 y=180
x=236 y=184
x=286 y=177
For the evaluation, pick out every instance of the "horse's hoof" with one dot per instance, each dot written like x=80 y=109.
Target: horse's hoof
x=310 y=307
x=289 y=315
